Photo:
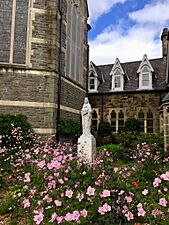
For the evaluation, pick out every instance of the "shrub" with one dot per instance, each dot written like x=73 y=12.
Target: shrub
x=104 y=129
x=70 y=129
x=14 y=130
x=104 y=134
x=128 y=141
x=132 y=124
x=113 y=148
x=15 y=134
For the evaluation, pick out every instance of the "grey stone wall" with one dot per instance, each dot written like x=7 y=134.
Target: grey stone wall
x=130 y=104
x=72 y=95
x=31 y=89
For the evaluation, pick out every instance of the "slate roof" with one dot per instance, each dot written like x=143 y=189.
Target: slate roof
x=130 y=68
x=99 y=72
x=165 y=99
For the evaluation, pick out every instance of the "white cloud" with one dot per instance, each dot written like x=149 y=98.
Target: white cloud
x=131 y=47
x=132 y=43
x=100 y=7
x=156 y=13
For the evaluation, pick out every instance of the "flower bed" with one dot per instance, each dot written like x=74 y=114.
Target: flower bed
x=48 y=185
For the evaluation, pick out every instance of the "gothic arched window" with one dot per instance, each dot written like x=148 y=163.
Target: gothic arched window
x=113 y=120
x=120 y=121
x=74 y=37
x=149 y=122
x=94 y=120
x=141 y=120
x=13 y=31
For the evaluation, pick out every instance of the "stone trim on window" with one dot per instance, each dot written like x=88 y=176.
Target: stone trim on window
x=145 y=72
x=95 y=118
x=146 y=121
x=74 y=50
x=117 y=74
x=117 y=119
x=93 y=79
x=14 y=33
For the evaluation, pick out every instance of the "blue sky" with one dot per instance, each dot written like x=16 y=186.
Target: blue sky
x=126 y=29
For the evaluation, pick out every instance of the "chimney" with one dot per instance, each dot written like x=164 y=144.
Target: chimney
x=165 y=38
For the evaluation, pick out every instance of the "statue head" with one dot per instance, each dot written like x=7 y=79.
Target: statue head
x=86 y=101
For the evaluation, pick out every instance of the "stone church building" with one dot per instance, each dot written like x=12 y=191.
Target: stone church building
x=133 y=89
x=43 y=60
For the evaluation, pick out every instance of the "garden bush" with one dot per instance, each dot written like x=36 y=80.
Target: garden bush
x=15 y=133
x=115 y=150
x=13 y=127
x=104 y=134
x=128 y=141
x=132 y=125
x=70 y=129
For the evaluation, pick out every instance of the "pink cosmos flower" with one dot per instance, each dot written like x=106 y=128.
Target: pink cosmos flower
x=90 y=191
x=156 y=212
x=156 y=182
x=26 y=203
x=101 y=211
x=141 y=212
x=105 y=208
x=61 y=181
x=98 y=182
x=105 y=193
x=69 y=217
x=129 y=215
x=58 y=203
x=52 y=184
x=27 y=177
x=54 y=216
x=38 y=218
x=50 y=166
x=80 y=196
x=165 y=176
x=32 y=192
x=84 y=213
x=128 y=199
x=163 y=202
x=47 y=198
x=41 y=164
x=145 y=192
x=69 y=193
x=76 y=215
x=2 y=150
x=139 y=205
x=59 y=219
x=125 y=209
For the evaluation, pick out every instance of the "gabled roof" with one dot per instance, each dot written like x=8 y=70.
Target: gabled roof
x=165 y=99
x=130 y=69
x=144 y=62
x=97 y=71
x=117 y=65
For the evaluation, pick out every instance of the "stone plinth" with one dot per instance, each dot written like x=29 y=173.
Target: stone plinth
x=87 y=148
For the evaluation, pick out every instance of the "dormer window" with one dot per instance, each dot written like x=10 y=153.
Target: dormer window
x=92 y=83
x=145 y=74
x=117 y=81
x=117 y=74
x=93 y=80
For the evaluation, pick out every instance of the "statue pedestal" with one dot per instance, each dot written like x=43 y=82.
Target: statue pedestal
x=87 y=148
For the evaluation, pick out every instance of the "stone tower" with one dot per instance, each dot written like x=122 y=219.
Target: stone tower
x=43 y=57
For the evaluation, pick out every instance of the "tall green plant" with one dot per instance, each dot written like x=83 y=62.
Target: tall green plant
x=131 y=125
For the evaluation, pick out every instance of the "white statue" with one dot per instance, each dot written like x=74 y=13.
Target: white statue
x=86 y=113
x=86 y=142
